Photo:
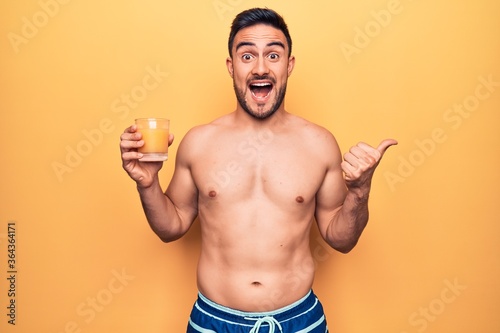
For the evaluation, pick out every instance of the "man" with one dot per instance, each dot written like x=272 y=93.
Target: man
x=282 y=172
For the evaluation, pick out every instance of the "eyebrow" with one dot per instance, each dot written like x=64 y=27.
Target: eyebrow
x=277 y=43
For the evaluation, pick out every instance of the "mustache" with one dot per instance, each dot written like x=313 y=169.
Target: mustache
x=261 y=78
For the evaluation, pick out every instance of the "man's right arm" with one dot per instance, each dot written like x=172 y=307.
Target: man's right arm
x=169 y=214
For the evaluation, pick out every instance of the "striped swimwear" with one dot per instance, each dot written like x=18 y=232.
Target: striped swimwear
x=304 y=316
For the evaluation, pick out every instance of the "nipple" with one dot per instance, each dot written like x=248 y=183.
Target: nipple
x=212 y=194
x=299 y=199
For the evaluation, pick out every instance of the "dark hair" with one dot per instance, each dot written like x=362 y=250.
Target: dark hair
x=255 y=16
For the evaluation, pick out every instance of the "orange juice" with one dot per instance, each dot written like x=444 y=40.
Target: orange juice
x=155 y=140
x=155 y=135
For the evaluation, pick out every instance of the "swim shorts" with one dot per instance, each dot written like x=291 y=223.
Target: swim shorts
x=304 y=316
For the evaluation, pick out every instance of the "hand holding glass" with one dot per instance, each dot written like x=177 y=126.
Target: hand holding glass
x=155 y=136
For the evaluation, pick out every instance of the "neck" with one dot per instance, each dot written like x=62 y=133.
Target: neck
x=244 y=118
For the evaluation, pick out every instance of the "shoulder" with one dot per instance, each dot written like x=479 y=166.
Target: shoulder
x=200 y=133
x=196 y=139
x=311 y=131
x=317 y=139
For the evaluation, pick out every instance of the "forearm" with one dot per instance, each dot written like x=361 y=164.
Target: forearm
x=348 y=224
x=343 y=218
x=160 y=212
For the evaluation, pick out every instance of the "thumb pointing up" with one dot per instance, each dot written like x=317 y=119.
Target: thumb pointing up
x=382 y=147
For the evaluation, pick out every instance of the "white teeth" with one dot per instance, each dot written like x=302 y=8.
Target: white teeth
x=261 y=84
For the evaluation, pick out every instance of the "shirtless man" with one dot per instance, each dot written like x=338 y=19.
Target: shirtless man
x=280 y=174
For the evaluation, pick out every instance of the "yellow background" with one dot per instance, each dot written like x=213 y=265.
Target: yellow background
x=427 y=262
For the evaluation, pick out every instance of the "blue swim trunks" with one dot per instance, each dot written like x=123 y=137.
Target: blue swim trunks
x=304 y=316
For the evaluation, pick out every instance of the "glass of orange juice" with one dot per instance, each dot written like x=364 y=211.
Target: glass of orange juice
x=155 y=135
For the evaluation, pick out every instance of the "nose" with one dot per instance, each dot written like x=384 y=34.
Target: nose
x=260 y=67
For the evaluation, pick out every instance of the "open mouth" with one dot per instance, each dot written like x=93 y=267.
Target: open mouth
x=261 y=90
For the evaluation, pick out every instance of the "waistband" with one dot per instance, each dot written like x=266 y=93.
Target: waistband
x=303 y=305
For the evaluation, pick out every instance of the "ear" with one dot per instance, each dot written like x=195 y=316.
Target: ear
x=229 y=64
x=291 y=65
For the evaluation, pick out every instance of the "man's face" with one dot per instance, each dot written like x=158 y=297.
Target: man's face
x=260 y=67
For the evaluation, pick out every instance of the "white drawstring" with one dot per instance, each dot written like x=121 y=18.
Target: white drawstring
x=268 y=320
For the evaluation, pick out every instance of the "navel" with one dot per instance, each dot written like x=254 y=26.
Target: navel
x=212 y=194
x=256 y=284
x=299 y=199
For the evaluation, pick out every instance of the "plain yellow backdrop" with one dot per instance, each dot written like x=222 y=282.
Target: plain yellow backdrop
x=74 y=74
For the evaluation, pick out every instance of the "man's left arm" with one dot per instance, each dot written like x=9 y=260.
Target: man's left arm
x=342 y=201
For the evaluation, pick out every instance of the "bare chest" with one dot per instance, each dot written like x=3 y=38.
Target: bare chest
x=263 y=167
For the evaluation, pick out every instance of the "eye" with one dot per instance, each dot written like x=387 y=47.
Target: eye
x=274 y=56
x=246 y=57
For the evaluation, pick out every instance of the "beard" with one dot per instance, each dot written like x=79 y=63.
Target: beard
x=260 y=113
